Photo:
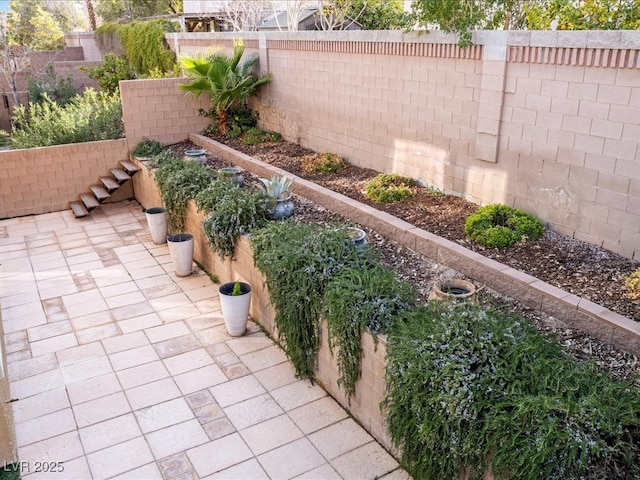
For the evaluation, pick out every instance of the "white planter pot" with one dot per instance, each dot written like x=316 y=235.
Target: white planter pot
x=181 y=250
x=157 y=221
x=235 y=309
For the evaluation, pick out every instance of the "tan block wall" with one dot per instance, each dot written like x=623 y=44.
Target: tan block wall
x=544 y=121
x=156 y=109
x=80 y=79
x=40 y=180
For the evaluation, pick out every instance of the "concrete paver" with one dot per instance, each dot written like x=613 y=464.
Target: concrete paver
x=120 y=369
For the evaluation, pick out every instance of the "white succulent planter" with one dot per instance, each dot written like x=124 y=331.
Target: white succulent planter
x=181 y=250
x=157 y=222
x=235 y=309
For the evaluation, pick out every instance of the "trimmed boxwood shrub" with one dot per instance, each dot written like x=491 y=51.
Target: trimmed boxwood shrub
x=389 y=187
x=502 y=226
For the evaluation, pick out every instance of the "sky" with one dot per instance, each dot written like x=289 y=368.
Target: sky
x=4 y=5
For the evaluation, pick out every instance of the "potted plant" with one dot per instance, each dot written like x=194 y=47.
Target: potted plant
x=157 y=222
x=277 y=189
x=146 y=149
x=235 y=301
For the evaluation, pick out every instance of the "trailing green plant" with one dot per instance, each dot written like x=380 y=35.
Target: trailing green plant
x=322 y=163
x=367 y=296
x=179 y=181
x=499 y=226
x=277 y=187
x=147 y=148
x=226 y=81
x=55 y=88
x=389 y=187
x=632 y=282
x=298 y=262
x=86 y=118
x=109 y=74
x=256 y=136
x=207 y=198
x=468 y=387
x=237 y=211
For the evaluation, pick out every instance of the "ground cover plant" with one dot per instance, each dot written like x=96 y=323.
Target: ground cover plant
x=502 y=226
x=322 y=163
x=389 y=187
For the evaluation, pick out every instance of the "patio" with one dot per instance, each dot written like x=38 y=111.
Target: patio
x=121 y=369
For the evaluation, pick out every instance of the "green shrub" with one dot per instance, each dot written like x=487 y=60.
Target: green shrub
x=161 y=158
x=88 y=117
x=236 y=212
x=298 y=262
x=240 y=120
x=502 y=226
x=60 y=90
x=147 y=148
x=632 y=282
x=389 y=187
x=112 y=70
x=178 y=182
x=255 y=136
x=369 y=297
x=322 y=163
x=464 y=385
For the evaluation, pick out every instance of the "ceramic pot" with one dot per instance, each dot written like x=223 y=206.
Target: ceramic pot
x=157 y=222
x=197 y=155
x=455 y=289
x=358 y=236
x=232 y=174
x=283 y=208
x=235 y=308
x=181 y=250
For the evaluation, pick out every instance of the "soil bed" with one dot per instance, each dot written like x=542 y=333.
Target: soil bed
x=568 y=263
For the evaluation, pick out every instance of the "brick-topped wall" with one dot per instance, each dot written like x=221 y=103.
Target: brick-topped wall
x=545 y=121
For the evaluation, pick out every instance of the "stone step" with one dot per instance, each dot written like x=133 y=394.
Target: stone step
x=129 y=167
x=120 y=175
x=78 y=209
x=100 y=193
x=109 y=184
x=89 y=200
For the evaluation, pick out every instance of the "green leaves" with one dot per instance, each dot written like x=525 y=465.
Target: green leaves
x=500 y=226
x=389 y=187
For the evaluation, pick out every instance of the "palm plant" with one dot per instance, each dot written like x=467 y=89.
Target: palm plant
x=227 y=82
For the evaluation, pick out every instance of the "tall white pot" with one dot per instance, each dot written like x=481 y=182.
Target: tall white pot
x=235 y=309
x=181 y=250
x=157 y=221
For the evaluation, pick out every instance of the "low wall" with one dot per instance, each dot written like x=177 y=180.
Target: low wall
x=364 y=405
x=46 y=179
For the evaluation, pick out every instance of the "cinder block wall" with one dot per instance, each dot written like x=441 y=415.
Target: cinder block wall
x=45 y=179
x=544 y=121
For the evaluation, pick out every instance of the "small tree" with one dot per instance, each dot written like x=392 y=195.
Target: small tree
x=246 y=16
x=109 y=74
x=228 y=83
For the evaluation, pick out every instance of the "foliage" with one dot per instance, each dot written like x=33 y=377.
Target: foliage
x=584 y=14
x=207 y=199
x=88 y=117
x=276 y=187
x=389 y=187
x=147 y=148
x=227 y=82
x=467 y=386
x=127 y=10
x=47 y=33
x=145 y=47
x=632 y=282
x=179 y=181
x=32 y=24
x=322 y=163
x=107 y=39
x=10 y=471
x=237 y=212
x=60 y=90
x=255 y=136
x=237 y=289
x=112 y=70
x=499 y=226
x=377 y=14
x=367 y=296
x=298 y=262
x=161 y=158
x=240 y=119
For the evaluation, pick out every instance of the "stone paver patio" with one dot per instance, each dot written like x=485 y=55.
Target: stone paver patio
x=121 y=369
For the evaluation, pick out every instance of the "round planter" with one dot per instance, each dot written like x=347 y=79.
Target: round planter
x=157 y=221
x=358 y=236
x=232 y=174
x=181 y=250
x=283 y=208
x=455 y=289
x=235 y=309
x=196 y=155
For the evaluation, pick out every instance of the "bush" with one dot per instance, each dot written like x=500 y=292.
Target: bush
x=632 y=282
x=112 y=70
x=502 y=226
x=60 y=90
x=255 y=136
x=88 y=117
x=389 y=187
x=147 y=148
x=322 y=163
x=465 y=385
x=240 y=120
